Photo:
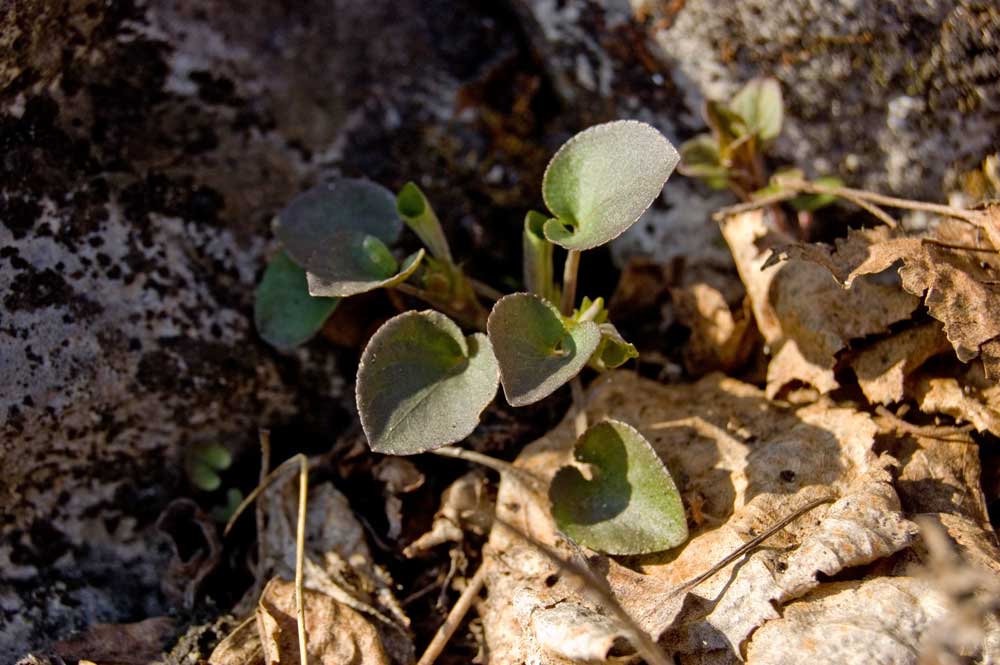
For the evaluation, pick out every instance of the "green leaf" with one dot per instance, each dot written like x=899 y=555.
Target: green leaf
x=811 y=202
x=360 y=263
x=216 y=456
x=760 y=105
x=538 y=351
x=312 y=225
x=629 y=505
x=539 y=277
x=284 y=312
x=204 y=477
x=700 y=159
x=601 y=181
x=613 y=351
x=417 y=213
x=422 y=384
x=727 y=127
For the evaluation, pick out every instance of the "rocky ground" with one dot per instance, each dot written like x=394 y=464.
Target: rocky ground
x=146 y=146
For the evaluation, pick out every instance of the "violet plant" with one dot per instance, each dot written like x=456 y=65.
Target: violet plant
x=425 y=377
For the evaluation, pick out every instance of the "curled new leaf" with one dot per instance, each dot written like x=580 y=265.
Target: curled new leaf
x=538 y=351
x=422 y=384
x=613 y=351
x=418 y=214
x=630 y=504
x=601 y=180
x=284 y=312
x=538 y=271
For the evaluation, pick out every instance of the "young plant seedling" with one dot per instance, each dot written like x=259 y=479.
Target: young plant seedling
x=423 y=382
x=731 y=156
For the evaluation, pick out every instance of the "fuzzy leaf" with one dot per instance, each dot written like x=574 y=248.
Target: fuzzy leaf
x=422 y=384
x=601 y=180
x=760 y=105
x=538 y=351
x=629 y=506
x=284 y=312
x=311 y=225
x=361 y=263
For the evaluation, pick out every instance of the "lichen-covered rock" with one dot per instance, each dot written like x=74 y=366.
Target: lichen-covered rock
x=895 y=96
x=143 y=151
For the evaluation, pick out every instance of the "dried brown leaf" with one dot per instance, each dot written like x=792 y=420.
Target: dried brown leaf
x=799 y=301
x=465 y=505
x=883 y=620
x=338 y=562
x=119 y=644
x=240 y=647
x=719 y=341
x=335 y=633
x=399 y=476
x=959 y=286
x=750 y=462
x=883 y=367
x=963 y=403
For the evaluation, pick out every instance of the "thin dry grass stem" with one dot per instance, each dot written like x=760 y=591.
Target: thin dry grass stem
x=264 y=436
x=751 y=544
x=644 y=644
x=454 y=618
x=289 y=463
x=951 y=245
x=936 y=433
x=493 y=463
x=869 y=201
x=300 y=553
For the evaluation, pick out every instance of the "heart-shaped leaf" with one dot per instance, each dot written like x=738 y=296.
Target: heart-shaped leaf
x=760 y=105
x=284 y=312
x=360 y=263
x=311 y=225
x=630 y=504
x=601 y=181
x=537 y=349
x=422 y=384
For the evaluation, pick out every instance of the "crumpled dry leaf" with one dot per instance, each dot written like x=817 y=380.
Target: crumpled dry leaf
x=798 y=302
x=578 y=633
x=184 y=575
x=399 y=476
x=119 y=644
x=882 y=620
x=240 y=647
x=335 y=633
x=337 y=562
x=959 y=287
x=465 y=505
x=883 y=367
x=962 y=402
x=719 y=341
x=750 y=462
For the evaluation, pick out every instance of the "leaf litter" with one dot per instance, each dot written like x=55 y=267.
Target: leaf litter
x=892 y=559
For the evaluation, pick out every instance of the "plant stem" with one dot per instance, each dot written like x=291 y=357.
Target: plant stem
x=485 y=290
x=497 y=465
x=580 y=410
x=454 y=618
x=569 y=281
